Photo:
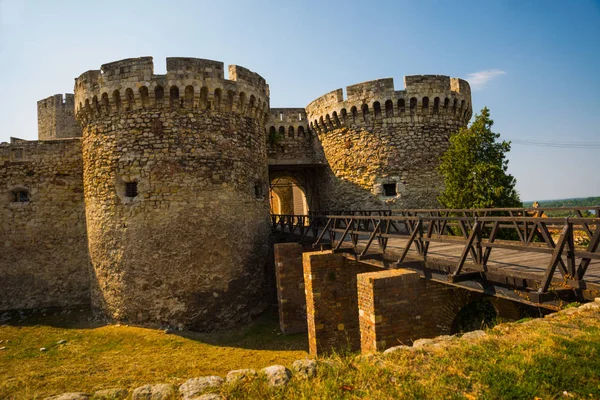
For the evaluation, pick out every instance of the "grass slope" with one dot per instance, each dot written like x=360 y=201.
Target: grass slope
x=99 y=357
x=549 y=358
x=557 y=357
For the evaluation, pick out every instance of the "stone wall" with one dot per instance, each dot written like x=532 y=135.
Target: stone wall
x=188 y=246
x=44 y=258
x=383 y=146
x=290 y=141
x=332 y=301
x=56 y=119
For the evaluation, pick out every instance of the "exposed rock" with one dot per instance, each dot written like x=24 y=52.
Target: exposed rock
x=61 y=342
x=396 y=349
x=590 y=306
x=305 y=368
x=209 y=396
x=70 y=396
x=474 y=335
x=422 y=342
x=194 y=387
x=277 y=375
x=161 y=391
x=239 y=375
x=111 y=394
x=43 y=349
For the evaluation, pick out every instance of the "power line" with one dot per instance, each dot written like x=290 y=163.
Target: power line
x=557 y=144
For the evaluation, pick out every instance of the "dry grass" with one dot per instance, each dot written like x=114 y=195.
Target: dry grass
x=99 y=357
x=556 y=358
x=547 y=358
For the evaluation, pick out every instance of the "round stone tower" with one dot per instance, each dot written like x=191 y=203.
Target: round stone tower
x=383 y=146
x=175 y=183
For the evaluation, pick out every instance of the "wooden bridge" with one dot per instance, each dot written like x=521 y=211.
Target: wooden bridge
x=517 y=253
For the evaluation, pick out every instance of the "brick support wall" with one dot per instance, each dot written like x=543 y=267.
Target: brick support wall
x=332 y=301
x=398 y=307
x=290 y=287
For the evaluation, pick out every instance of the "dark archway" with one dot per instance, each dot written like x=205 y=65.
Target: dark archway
x=479 y=314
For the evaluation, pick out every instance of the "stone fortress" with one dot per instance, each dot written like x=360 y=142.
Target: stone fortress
x=148 y=196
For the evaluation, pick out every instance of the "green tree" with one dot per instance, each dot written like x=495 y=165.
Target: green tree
x=474 y=168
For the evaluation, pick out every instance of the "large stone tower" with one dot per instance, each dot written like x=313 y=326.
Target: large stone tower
x=55 y=118
x=175 y=182
x=383 y=146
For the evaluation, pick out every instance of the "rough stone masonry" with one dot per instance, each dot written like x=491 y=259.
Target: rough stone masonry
x=147 y=195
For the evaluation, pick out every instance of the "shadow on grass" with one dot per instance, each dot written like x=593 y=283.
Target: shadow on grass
x=262 y=333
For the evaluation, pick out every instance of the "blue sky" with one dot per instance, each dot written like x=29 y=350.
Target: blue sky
x=535 y=64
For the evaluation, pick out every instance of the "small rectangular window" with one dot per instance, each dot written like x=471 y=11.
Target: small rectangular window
x=131 y=189
x=17 y=154
x=389 y=189
x=281 y=116
x=299 y=116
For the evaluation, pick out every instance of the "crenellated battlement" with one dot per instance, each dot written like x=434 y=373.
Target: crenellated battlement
x=290 y=123
x=425 y=97
x=190 y=83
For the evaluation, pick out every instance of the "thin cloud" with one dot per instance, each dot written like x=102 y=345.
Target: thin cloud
x=479 y=79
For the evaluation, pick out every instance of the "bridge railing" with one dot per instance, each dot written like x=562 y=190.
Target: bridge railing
x=479 y=237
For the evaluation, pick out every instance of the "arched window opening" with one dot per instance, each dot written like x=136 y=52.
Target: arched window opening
x=130 y=98
x=389 y=109
x=217 y=99
x=251 y=106
x=96 y=106
x=446 y=103
x=144 y=96
x=301 y=132
x=328 y=120
x=242 y=103
x=436 y=105
x=377 y=110
x=230 y=97
x=413 y=105
x=204 y=98
x=462 y=105
x=291 y=132
x=159 y=96
x=344 y=115
x=365 y=112
x=117 y=100
x=354 y=113
x=174 y=97
x=454 y=106
x=425 y=105
x=322 y=124
x=189 y=97
x=401 y=106
x=105 y=105
x=88 y=108
x=282 y=131
x=336 y=120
